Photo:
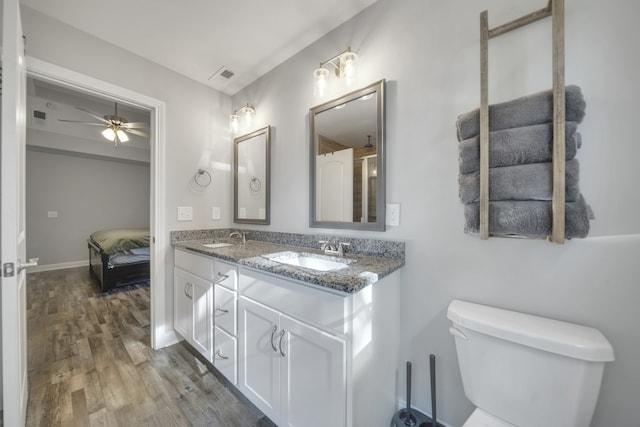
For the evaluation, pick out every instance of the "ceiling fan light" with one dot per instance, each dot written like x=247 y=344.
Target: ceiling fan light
x=109 y=134
x=122 y=137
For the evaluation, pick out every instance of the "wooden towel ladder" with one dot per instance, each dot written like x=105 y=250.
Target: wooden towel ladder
x=555 y=9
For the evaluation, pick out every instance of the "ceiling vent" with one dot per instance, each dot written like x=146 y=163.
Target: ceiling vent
x=222 y=73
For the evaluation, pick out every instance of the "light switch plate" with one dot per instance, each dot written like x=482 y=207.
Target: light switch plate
x=393 y=214
x=185 y=213
x=52 y=214
x=215 y=213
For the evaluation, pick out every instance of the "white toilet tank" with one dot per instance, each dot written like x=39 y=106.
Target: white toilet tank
x=527 y=370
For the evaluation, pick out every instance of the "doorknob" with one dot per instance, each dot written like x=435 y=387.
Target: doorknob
x=33 y=262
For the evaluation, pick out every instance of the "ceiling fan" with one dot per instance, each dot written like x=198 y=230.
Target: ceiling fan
x=116 y=127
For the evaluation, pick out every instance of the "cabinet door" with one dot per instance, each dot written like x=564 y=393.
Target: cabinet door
x=182 y=304
x=313 y=376
x=225 y=356
x=202 y=332
x=259 y=360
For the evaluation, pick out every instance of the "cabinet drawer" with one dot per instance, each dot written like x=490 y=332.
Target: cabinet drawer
x=225 y=356
x=199 y=265
x=224 y=302
x=225 y=274
x=314 y=306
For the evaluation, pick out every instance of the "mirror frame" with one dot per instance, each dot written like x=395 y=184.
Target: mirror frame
x=378 y=88
x=267 y=185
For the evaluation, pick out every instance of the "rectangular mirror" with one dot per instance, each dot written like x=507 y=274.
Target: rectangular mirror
x=251 y=184
x=347 y=164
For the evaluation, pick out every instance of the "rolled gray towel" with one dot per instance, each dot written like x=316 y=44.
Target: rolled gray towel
x=528 y=218
x=523 y=182
x=528 y=110
x=508 y=147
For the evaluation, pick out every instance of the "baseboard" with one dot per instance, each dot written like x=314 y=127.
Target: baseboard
x=60 y=266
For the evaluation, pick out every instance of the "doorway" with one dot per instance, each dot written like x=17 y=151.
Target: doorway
x=161 y=334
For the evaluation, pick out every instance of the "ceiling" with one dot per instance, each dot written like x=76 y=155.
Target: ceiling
x=202 y=38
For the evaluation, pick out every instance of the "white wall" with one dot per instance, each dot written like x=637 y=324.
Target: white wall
x=428 y=51
x=88 y=194
x=196 y=120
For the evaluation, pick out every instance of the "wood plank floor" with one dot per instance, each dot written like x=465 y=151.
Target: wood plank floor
x=90 y=363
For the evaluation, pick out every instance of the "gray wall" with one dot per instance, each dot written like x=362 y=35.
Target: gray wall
x=429 y=53
x=88 y=193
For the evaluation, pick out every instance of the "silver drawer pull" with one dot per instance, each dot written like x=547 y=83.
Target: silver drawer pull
x=280 y=344
x=220 y=309
x=219 y=355
x=273 y=334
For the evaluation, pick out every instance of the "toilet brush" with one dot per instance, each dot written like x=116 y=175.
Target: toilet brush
x=407 y=417
x=432 y=370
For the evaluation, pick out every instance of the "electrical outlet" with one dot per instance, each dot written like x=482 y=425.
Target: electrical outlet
x=185 y=213
x=215 y=213
x=393 y=214
x=52 y=214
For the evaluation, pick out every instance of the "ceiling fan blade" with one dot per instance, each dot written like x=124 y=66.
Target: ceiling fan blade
x=135 y=132
x=136 y=125
x=82 y=123
x=94 y=115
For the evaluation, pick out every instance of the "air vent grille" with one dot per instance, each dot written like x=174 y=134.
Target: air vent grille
x=39 y=114
x=227 y=74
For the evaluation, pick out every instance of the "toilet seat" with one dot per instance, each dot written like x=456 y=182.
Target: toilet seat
x=480 y=418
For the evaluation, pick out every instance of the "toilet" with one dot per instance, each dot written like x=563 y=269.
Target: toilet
x=527 y=371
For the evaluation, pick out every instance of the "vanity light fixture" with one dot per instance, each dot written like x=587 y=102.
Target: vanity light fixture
x=344 y=66
x=246 y=113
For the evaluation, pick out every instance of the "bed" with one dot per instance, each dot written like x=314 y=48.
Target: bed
x=119 y=257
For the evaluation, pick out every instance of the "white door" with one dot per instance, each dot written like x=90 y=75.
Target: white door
x=259 y=359
x=313 y=376
x=14 y=329
x=334 y=186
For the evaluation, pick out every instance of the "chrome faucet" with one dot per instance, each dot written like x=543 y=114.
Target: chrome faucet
x=239 y=235
x=333 y=246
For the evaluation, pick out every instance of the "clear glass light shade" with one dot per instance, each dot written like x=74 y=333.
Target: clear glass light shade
x=348 y=61
x=234 y=124
x=320 y=77
x=248 y=113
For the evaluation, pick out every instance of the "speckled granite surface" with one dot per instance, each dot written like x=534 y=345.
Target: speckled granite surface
x=361 y=272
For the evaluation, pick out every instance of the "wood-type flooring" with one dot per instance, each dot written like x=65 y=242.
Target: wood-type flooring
x=90 y=363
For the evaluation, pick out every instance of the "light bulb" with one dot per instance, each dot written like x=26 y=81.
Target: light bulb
x=248 y=113
x=320 y=84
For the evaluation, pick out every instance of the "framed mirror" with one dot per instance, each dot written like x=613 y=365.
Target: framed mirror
x=347 y=162
x=251 y=186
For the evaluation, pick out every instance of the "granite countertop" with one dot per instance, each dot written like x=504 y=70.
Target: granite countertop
x=361 y=272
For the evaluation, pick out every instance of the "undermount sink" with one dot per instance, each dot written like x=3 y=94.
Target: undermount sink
x=310 y=261
x=217 y=245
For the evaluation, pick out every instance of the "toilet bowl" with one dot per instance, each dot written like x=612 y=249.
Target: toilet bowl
x=524 y=370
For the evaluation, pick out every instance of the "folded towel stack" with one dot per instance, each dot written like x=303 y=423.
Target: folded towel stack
x=520 y=168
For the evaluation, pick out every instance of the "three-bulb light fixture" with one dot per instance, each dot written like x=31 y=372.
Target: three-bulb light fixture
x=344 y=67
x=244 y=114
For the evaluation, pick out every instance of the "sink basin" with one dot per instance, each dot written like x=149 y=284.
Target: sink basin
x=310 y=261
x=217 y=245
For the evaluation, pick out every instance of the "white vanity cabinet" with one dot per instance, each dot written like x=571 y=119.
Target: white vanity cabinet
x=205 y=298
x=292 y=371
x=313 y=357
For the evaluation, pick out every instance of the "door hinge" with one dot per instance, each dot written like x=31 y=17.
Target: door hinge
x=8 y=269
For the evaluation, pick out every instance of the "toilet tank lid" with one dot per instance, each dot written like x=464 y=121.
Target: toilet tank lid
x=567 y=339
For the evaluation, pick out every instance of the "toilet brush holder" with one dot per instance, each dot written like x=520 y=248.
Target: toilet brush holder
x=408 y=417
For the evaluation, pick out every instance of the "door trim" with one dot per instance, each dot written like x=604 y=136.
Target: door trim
x=162 y=333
